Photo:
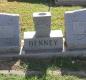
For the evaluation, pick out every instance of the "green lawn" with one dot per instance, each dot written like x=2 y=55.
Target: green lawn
x=26 y=10
x=49 y=77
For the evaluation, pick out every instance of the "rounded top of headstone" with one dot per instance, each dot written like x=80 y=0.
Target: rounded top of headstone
x=41 y=14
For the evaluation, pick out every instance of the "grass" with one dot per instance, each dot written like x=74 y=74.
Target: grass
x=47 y=67
x=26 y=10
x=49 y=77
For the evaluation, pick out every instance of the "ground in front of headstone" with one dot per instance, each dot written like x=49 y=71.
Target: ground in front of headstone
x=10 y=64
x=75 y=68
x=43 y=67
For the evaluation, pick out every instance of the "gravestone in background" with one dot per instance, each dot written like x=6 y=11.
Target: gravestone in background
x=43 y=38
x=9 y=32
x=70 y=2
x=75 y=29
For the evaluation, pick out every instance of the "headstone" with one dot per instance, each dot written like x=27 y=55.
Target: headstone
x=52 y=42
x=9 y=32
x=70 y=2
x=43 y=38
x=75 y=29
x=42 y=23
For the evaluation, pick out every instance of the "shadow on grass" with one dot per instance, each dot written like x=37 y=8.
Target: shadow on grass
x=72 y=66
x=31 y=1
x=45 y=2
x=36 y=67
x=50 y=3
x=39 y=67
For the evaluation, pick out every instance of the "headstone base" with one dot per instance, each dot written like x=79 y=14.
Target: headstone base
x=51 y=43
x=12 y=49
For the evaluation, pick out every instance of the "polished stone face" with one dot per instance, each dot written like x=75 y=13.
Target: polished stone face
x=43 y=42
x=75 y=29
x=9 y=31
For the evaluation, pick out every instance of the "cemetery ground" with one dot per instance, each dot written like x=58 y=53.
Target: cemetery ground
x=52 y=68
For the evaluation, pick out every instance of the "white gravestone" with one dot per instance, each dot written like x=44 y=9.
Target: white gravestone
x=9 y=32
x=75 y=29
x=43 y=38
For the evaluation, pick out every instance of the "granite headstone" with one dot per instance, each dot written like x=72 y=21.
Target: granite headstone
x=75 y=29
x=43 y=38
x=9 y=32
